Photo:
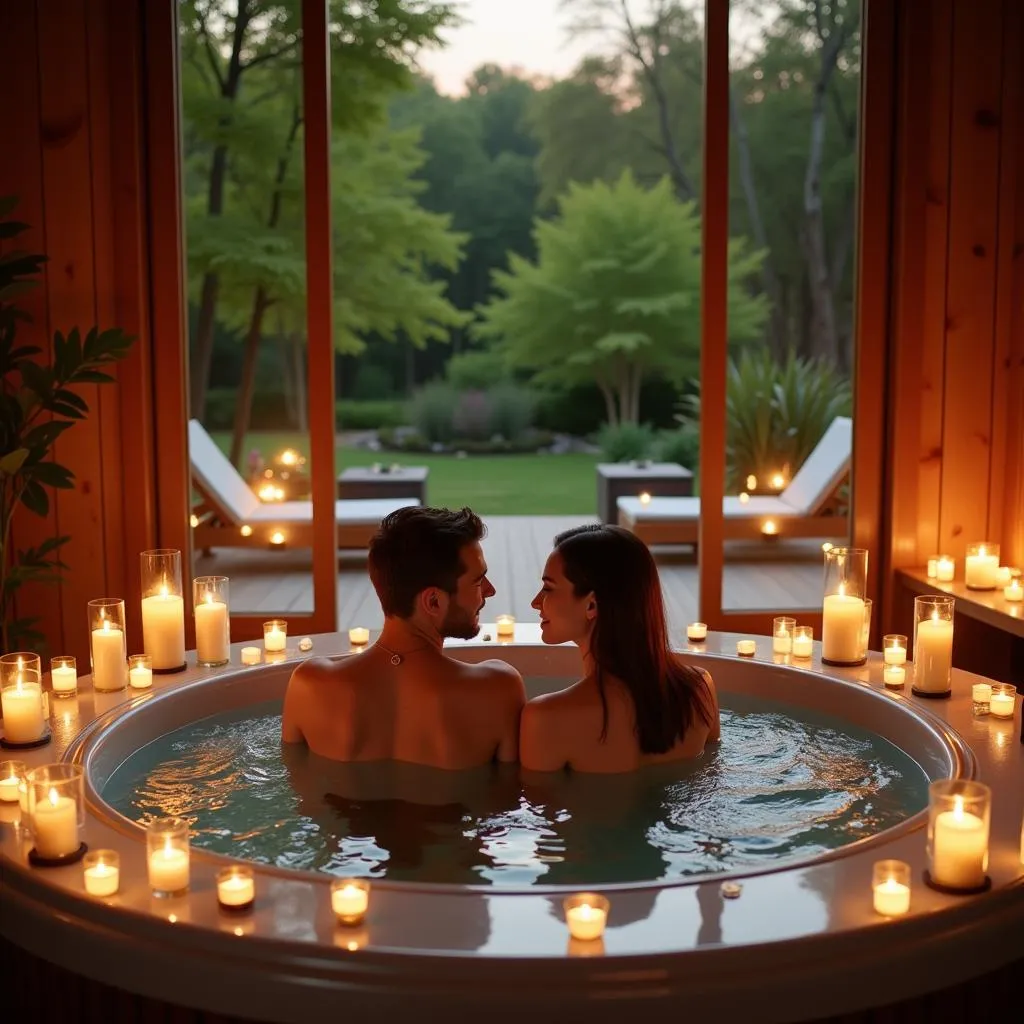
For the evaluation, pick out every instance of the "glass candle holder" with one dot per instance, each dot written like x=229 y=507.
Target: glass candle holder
x=505 y=626
x=358 y=636
x=21 y=700
x=894 y=676
x=803 y=641
x=275 y=635
x=12 y=774
x=697 y=631
x=167 y=856
x=251 y=655
x=981 y=567
x=981 y=696
x=236 y=887
x=890 y=886
x=894 y=649
x=586 y=914
x=932 y=570
x=108 y=651
x=64 y=676
x=746 y=648
x=212 y=619
x=101 y=872
x=163 y=609
x=350 y=898
x=959 y=811
x=1003 y=576
x=56 y=812
x=843 y=607
x=865 y=636
x=1003 y=700
x=782 y=634
x=1014 y=590
x=140 y=671
x=933 y=645
x=945 y=569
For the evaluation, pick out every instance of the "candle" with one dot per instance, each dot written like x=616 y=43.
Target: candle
x=894 y=649
x=803 y=642
x=1003 y=576
x=55 y=826
x=645 y=498
x=933 y=655
x=842 y=628
x=506 y=625
x=746 y=648
x=349 y=900
x=213 y=631
x=236 y=887
x=64 y=677
x=163 y=629
x=959 y=848
x=894 y=675
x=251 y=656
x=782 y=634
x=11 y=775
x=359 y=636
x=586 y=921
x=697 y=631
x=109 y=658
x=981 y=693
x=140 y=671
x=23 y=796
x=23 y=712
x=981 y=569
x=933 y=567
x=102 y=873
x=945 y=569
x=1015 y=590
x=168 y=869
x=1002 y=701
x=891 y=898
x=275 y=635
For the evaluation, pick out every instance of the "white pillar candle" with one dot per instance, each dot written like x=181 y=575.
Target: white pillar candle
x=275 y=638
x=980 y=570
x=586 y=922
x=945 y=570
x=933 y=655
x=506 y=626
x=140 y=677
x=213 y=631
x=746 y=648
x=782 y=642
x=163 y=630
x=358 y=636
x=22 y=706
x=892 y=898
x=894 y=675
x=236 y=890
x=168 y=869
x=64 y=680
x=102 y=879
x=109 y=658
x=697 y=631
x=349 y=902
x=803 y=646
x=842 y=627
x=55 y=825
x=1001 y=704
x=251 y=656
x=1015 y=590
x=960 y=849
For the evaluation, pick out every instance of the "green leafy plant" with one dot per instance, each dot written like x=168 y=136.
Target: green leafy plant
x=624 y=441
x=511 y=411
x=775 y=414
x=37 y=404
x=681 y=446
x=432 y=412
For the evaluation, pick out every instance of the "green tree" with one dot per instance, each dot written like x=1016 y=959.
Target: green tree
x=613 y=298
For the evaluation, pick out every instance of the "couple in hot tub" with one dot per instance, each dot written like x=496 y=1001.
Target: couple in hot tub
x=404 y=699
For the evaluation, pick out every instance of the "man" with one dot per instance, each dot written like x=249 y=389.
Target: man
x=404 y=698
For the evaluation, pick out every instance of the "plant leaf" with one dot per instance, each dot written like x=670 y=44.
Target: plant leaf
x=35 y=498
x=13 y=461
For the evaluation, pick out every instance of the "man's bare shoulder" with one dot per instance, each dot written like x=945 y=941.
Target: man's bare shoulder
x=493 y=671
x=316 y=671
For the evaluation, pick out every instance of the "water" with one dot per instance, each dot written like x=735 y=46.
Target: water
x=785 y=783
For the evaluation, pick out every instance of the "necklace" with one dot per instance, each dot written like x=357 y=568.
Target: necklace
x=397 y=659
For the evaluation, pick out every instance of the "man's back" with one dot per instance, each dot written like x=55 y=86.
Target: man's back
x=429 y=709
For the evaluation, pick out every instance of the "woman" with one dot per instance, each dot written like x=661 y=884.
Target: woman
x=638 y=703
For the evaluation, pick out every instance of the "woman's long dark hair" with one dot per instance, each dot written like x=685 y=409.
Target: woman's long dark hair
x=630 y=638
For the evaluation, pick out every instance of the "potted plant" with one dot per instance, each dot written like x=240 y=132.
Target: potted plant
x=37 y=404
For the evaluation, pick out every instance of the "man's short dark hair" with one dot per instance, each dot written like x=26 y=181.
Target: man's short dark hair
x=416 y=548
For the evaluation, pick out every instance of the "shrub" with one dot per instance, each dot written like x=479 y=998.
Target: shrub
x=370 y=415
x=372 y=383
x=511 y=411
x=476 y=370
x=776 y=414
x=625 y=441
x=432 y=412
x=681 y=446
x=472 y=419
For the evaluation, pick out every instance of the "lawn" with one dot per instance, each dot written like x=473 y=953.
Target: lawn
x=489 y=484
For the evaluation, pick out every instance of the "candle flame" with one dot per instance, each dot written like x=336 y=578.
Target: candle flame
x=53 y=797
x=842 y=589
x=958 y=807
x=246 y=530
x=106 y=625
x=827 y=546
x=163 y=591
x=209 y=597
x=645 y=498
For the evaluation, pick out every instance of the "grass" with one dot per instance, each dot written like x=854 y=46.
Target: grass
x=489 y=484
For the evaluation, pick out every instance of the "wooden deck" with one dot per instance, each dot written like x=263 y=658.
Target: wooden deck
x=757 y=575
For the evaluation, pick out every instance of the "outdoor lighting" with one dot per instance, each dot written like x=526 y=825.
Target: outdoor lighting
x=778 y=481
x=289 y=457
x=645 y=498
x=277 y=538
x=744 y=497
x=246 y=530
x=193 y=520
x=751 y=482
x=769 y=528
x=270 y=492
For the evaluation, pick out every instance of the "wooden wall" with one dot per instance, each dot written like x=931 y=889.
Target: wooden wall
x=73 y=153
x=956 y=472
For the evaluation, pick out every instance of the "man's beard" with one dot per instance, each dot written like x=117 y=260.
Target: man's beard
x=459 y=624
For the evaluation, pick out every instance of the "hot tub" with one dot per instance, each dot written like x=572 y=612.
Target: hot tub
x=800 y=942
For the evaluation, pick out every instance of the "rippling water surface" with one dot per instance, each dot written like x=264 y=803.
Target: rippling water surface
x=784 y=783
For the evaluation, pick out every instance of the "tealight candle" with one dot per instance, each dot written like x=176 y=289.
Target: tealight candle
x=251 y=655
x=275 y=635
x=782 y=634
x=933 y=567
x=697 y=631
x=894 y=675
x=1014 y=590
x=746 y=648
x=64 y=676
x=586 y=914
x=1003 y=576
x=236 y=887
x=359 y=636
x=506 y=626
x=349 y=899
x=1002 y=701
x=891 y=887
x=945 y=569
x=102 y=872
x=140 y=671
x=168 y=856
x=12 y=776
x=981 y=694
x=803 y=641
x=894 y=649
x=981 y=566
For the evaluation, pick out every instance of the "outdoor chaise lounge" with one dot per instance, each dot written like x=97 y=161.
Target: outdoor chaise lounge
x=806 y=508
x=232 y=516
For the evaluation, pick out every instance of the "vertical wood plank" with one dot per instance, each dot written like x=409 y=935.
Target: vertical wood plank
x=970 y=296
